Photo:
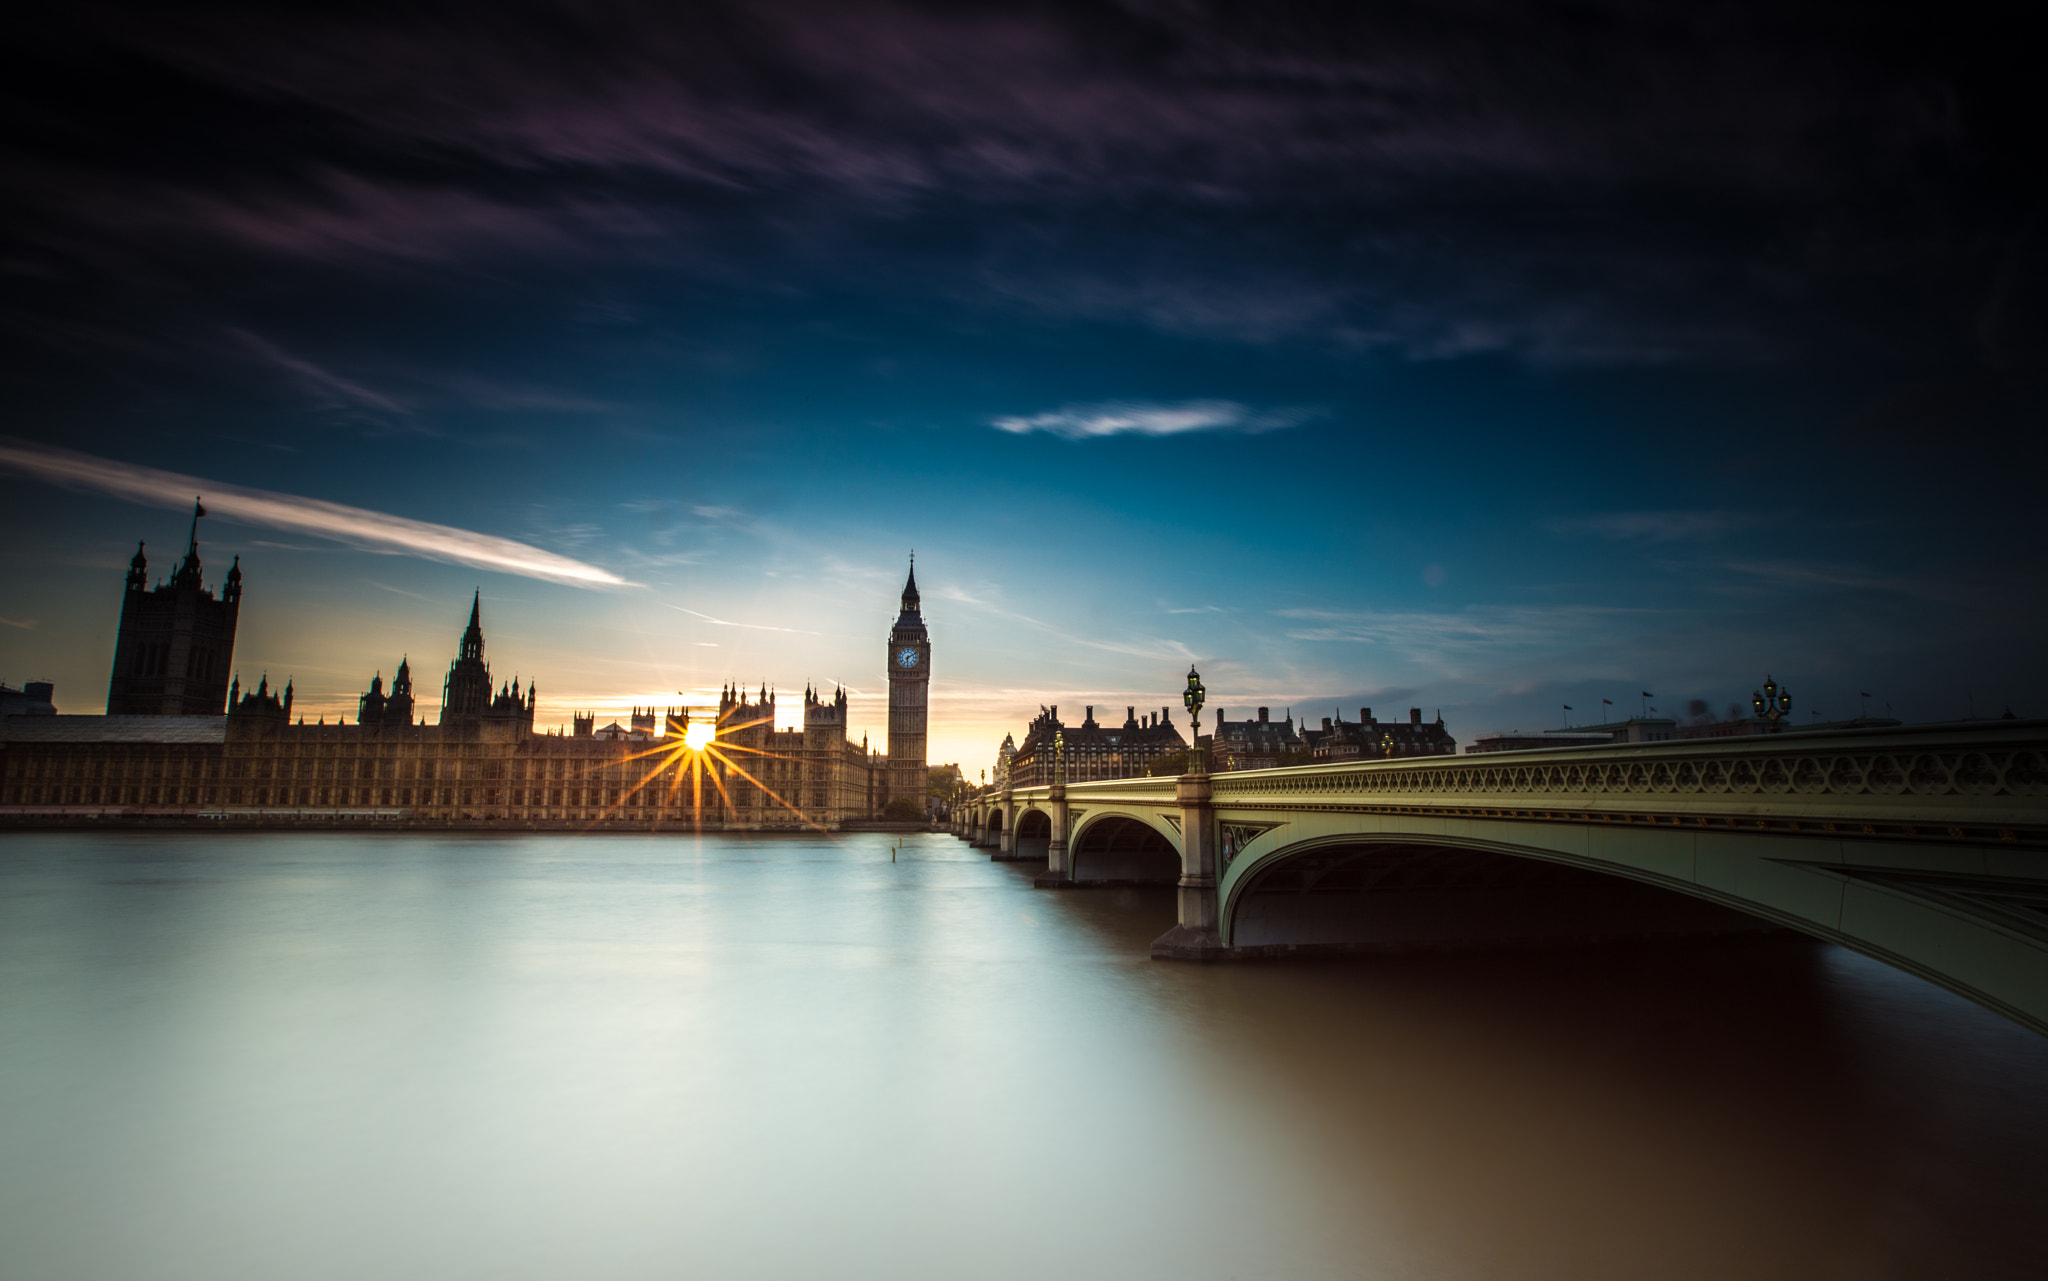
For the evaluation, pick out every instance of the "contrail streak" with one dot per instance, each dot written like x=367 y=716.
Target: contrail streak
x=757 y=627
x=354 y=526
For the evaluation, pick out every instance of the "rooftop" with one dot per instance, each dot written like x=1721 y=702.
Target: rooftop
x=113 y=729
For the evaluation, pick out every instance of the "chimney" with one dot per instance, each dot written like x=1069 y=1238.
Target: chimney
x=1165 y=715
x=1365 y=716
x=1326 y=724
x=1263 y=717
x=1415 y=716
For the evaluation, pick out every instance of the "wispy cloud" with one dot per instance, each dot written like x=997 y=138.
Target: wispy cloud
x=25 y=624
x=1136 y=647
x=488 y=393
x=1818 y=574
x=330 y=387
x=1501 y=631
x=1656 y=526
x=399 y=591
x=352 y=526
x=1145 y=418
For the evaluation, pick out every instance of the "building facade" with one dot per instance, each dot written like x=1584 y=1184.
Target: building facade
x=482 y=764
x=1258 y=743
x=1091 y=750
x=1369 y=738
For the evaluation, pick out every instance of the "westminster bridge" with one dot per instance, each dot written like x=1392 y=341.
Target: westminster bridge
x=1924 y=847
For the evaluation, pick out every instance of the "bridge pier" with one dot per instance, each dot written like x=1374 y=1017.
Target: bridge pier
x=1197 y=936
x=1006 y=845
x=1059 y=861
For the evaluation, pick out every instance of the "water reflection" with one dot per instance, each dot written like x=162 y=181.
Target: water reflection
x=338 y=1056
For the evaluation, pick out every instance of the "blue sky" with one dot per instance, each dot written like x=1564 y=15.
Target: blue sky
x=1482 y=361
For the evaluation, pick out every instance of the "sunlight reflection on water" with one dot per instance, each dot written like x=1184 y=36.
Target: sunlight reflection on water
x=338 y=1056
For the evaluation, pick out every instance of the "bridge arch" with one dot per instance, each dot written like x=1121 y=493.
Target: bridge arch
x=1395 y=891
x=992 y=826
x=1126 y=847
x=1034 y=833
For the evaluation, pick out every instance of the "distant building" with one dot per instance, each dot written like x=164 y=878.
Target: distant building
x=1003 y=755
x=481 y=765
x=1093 y=751
x=1517 y=741
x=176 y=641
x=1651 y=729
x=1262 y=743
x=1636 y=729
x=1371 y=739
x=1743 y=726
x=645 y=726
x=34 y=698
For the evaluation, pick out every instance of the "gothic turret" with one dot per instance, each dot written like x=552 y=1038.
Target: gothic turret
x=176 y=641
x=473 y=635
x=466 y=694
x=911 y=604
x=370 y=707
x=187 y=574
x=398 y=705
x=261 y=703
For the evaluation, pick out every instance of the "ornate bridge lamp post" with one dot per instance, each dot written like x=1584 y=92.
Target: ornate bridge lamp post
x=1772 y=704
x=1196 y=937
x=1058 y=872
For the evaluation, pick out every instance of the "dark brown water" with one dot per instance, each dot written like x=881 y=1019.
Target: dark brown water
x=335 y=1056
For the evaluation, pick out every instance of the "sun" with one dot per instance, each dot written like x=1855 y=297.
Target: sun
x=699 y=735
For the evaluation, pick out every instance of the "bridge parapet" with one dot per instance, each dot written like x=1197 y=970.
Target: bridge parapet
x=1973 y=782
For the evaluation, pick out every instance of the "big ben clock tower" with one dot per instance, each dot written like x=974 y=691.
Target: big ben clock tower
x=910 y=683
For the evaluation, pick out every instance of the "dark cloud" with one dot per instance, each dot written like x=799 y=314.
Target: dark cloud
x=1600 y=184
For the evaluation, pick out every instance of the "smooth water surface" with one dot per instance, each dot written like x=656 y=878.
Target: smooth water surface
x=336 y=1056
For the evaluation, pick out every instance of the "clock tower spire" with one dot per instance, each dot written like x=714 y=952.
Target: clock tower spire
x=910 y=679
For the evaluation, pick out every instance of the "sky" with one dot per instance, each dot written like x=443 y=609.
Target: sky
x=1480 y=357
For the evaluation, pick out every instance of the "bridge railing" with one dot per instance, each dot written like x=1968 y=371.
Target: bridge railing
x=1996 y=771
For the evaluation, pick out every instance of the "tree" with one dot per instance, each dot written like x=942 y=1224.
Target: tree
x=903 y=810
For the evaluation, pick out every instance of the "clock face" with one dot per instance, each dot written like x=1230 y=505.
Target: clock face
x=906 y=658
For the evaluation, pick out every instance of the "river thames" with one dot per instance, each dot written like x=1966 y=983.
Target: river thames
x=337 y=1056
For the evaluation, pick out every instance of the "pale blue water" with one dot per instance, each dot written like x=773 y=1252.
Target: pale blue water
x=339 y=1056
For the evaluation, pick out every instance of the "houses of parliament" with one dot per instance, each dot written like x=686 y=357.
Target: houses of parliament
x=183 y=740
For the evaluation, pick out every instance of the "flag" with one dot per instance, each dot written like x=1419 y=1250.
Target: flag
x=1866 y=694
x=1648 y=694
x=1608 y=701
x=198 y=508
x=1567 y=707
